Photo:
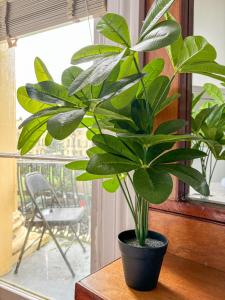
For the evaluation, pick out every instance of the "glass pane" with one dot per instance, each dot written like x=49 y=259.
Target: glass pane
x=44 y=271
x=64 y=202
x=211 y=102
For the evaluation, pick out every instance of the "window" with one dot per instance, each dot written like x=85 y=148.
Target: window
x=50 y=275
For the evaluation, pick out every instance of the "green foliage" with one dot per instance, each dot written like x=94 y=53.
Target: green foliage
x=115 y=28
x=117 y=101
x=41 y=71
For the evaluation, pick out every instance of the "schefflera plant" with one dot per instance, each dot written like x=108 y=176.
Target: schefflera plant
x=117 y=101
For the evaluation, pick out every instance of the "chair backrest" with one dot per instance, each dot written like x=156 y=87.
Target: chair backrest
x=38 y=186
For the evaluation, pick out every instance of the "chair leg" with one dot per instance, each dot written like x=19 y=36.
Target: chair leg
x=24 y=244
x=78 y=239
x=42 y=234
x=60 y=249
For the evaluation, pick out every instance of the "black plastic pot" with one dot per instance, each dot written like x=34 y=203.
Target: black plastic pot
x=141 y=265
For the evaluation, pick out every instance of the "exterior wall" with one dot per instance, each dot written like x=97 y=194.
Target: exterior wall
x=7 y=144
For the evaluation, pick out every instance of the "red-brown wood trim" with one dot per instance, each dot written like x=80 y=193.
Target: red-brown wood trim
x=184 y=10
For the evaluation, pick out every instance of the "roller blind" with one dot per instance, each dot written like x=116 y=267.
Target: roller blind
x=21 y=17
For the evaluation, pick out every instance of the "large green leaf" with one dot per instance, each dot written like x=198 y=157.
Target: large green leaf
x=30 y=129
x=63 y=124
x=157 y=10
x=92 y=52
x=171 y=126
x=179 y=155
x=97 y=73
x=162 y=35
x=48 y=139
x=41 y=71
x=46 y=112
x=94 y=150
x=188 y=175
x=195 y=49
x=150 y=140
x=77 y=165
x=69 y=75
x=30 y=105
x=115 y=28
x=158 y=91
x=121 y=92
x=112 y=144
x=152 y=70
x=51 y=93
x=165 y=102
x=152 y=185
x=157 y=150
x=109 y=164
x=210 y=69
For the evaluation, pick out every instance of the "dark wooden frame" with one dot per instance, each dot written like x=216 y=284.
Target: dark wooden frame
x=181 y=205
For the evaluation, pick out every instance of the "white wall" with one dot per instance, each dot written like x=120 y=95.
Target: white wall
x=209 y=21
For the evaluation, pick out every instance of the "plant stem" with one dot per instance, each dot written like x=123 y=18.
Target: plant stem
x=88 y=128
x=96 y=120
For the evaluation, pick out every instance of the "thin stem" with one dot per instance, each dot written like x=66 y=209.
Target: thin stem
x=96 y=120
x=128 y=192
x=127 y=199
x=88 y=128
x=211 y=174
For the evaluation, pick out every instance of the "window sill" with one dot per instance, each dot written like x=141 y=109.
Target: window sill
x=179 y=279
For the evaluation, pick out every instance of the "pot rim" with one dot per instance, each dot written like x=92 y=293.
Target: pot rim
x=165 y=240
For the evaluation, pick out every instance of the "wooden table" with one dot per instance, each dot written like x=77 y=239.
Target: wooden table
x=180 y=279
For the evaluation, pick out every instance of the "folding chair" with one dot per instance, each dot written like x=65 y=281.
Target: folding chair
x=48 y=213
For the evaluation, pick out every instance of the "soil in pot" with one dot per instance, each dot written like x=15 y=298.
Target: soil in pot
x=142 y=265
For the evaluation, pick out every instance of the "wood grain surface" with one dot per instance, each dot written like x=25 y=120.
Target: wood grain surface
x=180 y=279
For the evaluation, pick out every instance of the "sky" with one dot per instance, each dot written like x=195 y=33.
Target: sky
x=55 y=47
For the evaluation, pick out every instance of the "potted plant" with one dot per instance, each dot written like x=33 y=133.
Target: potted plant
x=118 y=101
x=208 y=122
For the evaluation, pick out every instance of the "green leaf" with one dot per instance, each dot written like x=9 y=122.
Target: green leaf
x=93 y=52
x=94 y=150
x=41 y=71
x=115 y=28
x=30 y=105
x=188 y=175
x=48 y=139
x=214 y=92
x=166 y=101
x=141 y=113
x=109 y=164
x=174 y=48
x=200 y=118
x=195 y=49
x=157 y=150
x=30 y=129
x=152 y=70
x=51 y=93
x=151 y=140
x=171 y=126
x=111 y=185
x=210 y=69
x=63 y=124
x=87 y=176
x=163 y=34
x=197 y=98
x=96 y=74
x=179 y=155
x=46 y=112
x=158 y=91
x=153 y=185
x=77 y=165
x=112 y=144
x=157 y=10
x=69 y=75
